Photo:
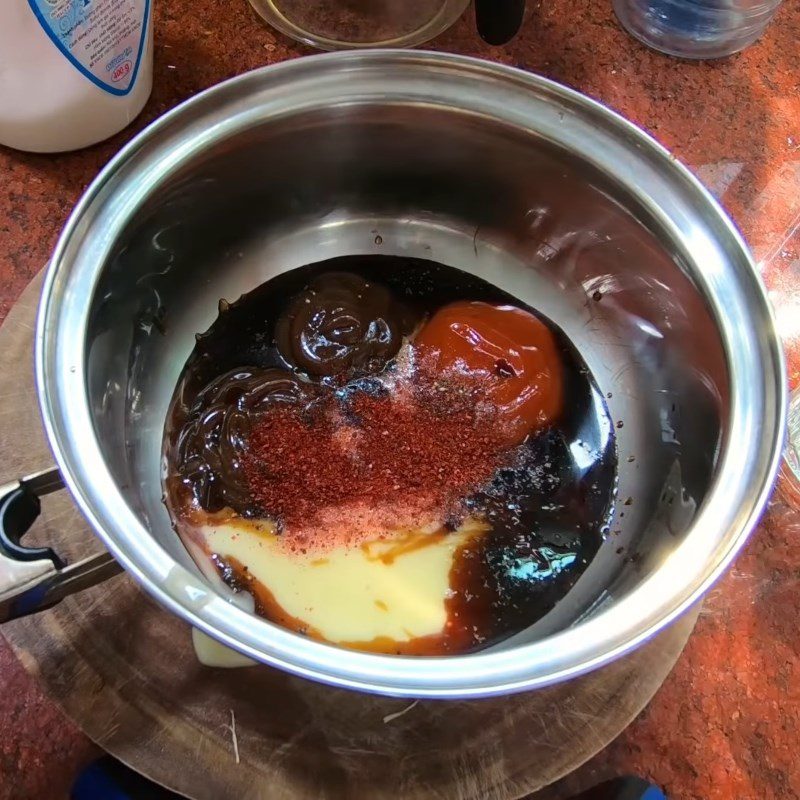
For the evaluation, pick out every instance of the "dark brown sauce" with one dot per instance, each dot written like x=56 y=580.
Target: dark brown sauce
x=210 y=431
x=547 y=508
x=342 y=325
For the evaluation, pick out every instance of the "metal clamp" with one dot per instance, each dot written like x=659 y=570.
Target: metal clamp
x=35 y=578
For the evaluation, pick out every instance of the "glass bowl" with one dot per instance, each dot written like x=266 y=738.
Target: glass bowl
x=340 y=24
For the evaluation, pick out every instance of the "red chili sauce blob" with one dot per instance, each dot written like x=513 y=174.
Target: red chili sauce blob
x=512 y=353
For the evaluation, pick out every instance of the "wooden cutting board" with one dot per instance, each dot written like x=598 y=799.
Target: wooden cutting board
x=125 y=671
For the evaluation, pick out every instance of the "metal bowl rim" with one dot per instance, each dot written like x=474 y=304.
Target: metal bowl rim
x=477 y=675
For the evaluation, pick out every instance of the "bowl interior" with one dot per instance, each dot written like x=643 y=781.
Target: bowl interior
x=535 y=221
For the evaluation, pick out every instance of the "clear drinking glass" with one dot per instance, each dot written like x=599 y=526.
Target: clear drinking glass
x=696 y=28
x=336 y=24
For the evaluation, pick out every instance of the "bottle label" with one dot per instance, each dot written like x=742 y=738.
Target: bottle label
x=102 y=39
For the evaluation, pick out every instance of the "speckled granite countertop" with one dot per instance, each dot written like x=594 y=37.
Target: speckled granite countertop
x=726 y=722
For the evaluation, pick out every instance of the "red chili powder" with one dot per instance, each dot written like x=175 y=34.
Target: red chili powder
x=347 y=470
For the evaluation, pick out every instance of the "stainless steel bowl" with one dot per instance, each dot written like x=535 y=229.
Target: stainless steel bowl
x=540 y=190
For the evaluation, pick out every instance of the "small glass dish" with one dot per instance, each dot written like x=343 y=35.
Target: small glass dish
x=340 y=24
